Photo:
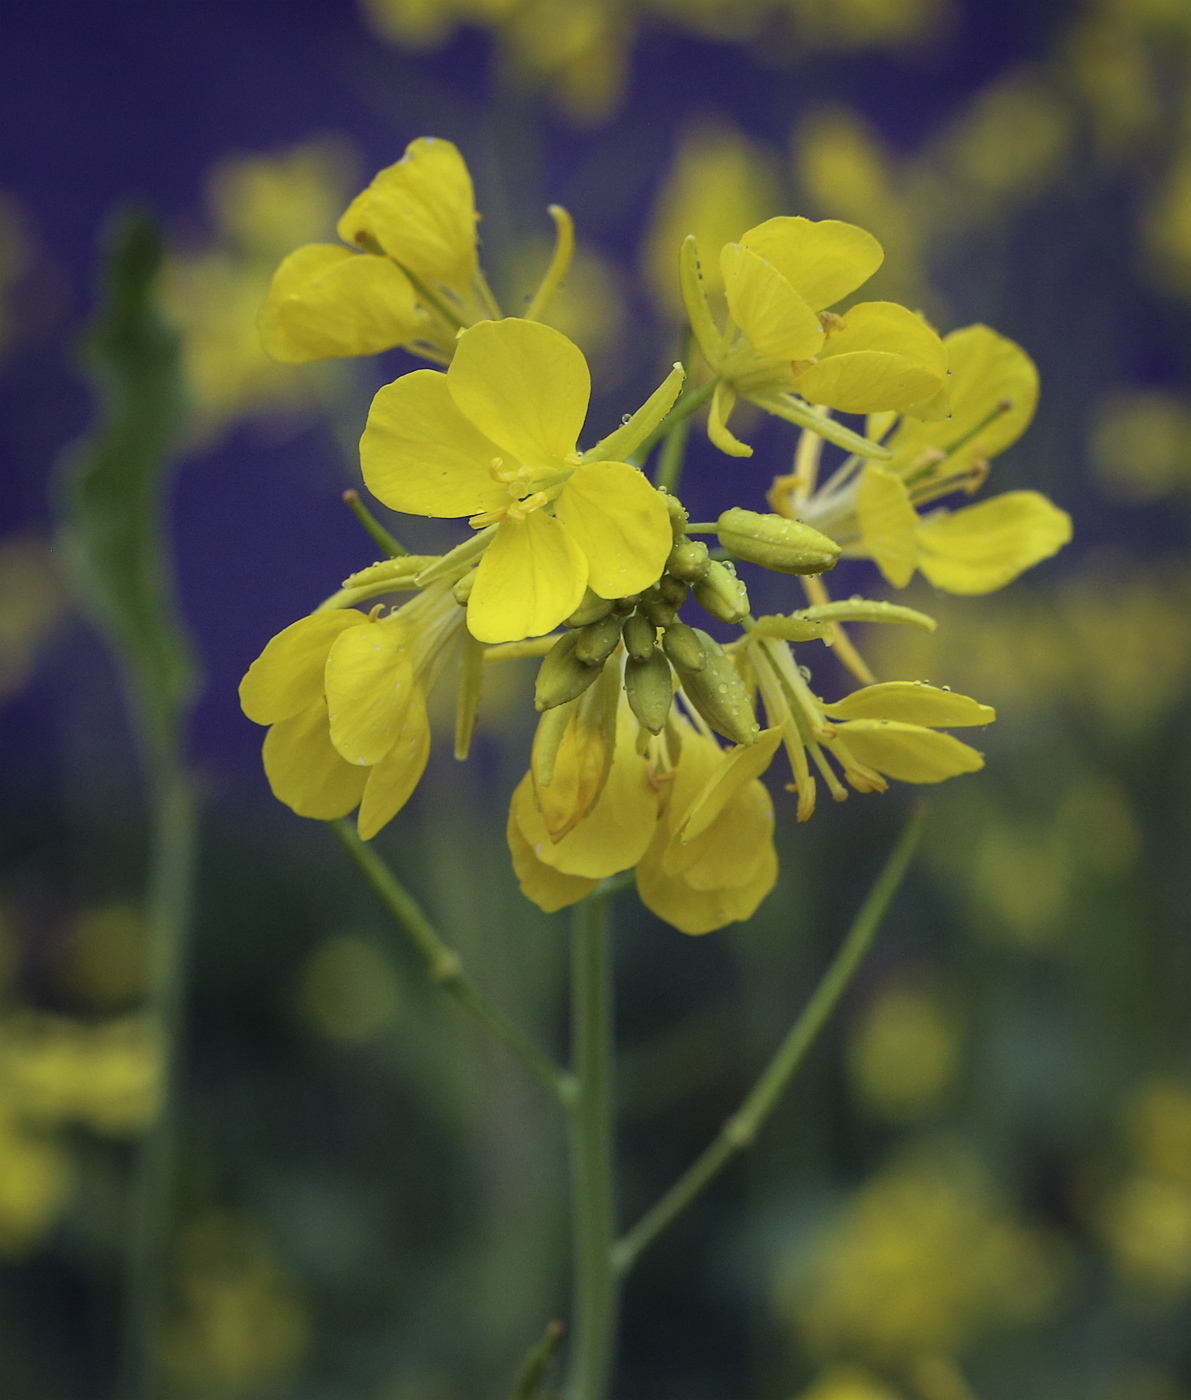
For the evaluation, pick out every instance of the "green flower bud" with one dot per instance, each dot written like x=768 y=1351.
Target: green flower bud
x=591 y=609
x=722 y=593
x=787 y=546
x=688 y=561
x=624 y=606
x=562 y=676
x=678 y=515
x=649 y=689
x=639 y=636
x=673 y=591
x=684 y=647
x=655 y=608
x=719 y=694
x=597 y=641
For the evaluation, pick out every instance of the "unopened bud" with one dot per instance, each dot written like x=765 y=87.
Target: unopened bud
x=688 y=561
x=649 y=689
x=684 y=647
x=639 y=636
x=462 y=589
x=562 y=676
x=597 y=641
x=722 y=593
x=719 y=694
x=786 y=546
x=591 y=609
x=655 y=607
x=673 y=591
x=678 y=515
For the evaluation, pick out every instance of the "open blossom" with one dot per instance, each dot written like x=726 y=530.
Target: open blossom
x=494 y=439
x=783 y=350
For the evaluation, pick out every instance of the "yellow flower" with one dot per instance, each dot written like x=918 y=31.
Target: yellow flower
x=344 y=695
x=494 y=439
x=871 y=509
x=411 y=276
x=781 y=342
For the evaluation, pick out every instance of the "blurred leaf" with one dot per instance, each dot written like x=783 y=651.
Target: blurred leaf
x=115 y=480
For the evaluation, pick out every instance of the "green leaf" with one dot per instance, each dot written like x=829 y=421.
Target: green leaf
x=114 y=487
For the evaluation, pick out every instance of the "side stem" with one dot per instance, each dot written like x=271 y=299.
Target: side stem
x=595 y=1300
x=741 y=1129
x=444 y=965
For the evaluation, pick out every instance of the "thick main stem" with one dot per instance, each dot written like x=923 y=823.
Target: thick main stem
x=593 y=1212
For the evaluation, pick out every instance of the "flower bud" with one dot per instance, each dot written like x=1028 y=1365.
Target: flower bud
x=639 y=636
x=678 y=515
x=590 y=609
x=562 y=676
x=719 y=694
x=684 y=647
x=673 y=591
x=786 y=546
x=722 y=593
x=649 y=689
x=462 y=589
x=656 y=609
x=688 y=561
x=597 y=641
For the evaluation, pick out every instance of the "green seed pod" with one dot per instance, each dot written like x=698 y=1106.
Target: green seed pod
x=649 y=689
x=786 y=546
x=719 y=694
x=562 y=676
x=678 y=516
x=722 y=593
x=462 y=589
x=591 y=609
x=688 y=561
x=597 y=641
x=684 y=647
x=639 y=636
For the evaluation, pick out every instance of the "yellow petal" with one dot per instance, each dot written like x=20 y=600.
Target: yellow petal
x=548 y=888
x=983 y=547
x=420 y=455
x=884 y=358
x=732 y=850
x=583 y=758
x=723 y=401
x=777 y=321
x=305 y=771
x=421 y=211
x=824 y=261
x=526 y=386
x=986 y=369
x=326 y=301
x=615 y=833
x=736 y=768
x=288 y=675
x=700 y=911
x=392 y=781
x=531 y=577
x=370 y=685
x=908 y=752
x=888 y=524
x=620 y=522
x=913 y=702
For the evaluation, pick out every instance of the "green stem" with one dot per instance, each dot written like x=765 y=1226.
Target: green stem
x=445 y=966
x=149 y=1230
x=372 y=526
x=593 y=1214
x=741 y=1129
x=681 y=411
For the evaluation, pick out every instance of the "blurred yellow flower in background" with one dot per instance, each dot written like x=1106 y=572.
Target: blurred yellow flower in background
x=904 y=1052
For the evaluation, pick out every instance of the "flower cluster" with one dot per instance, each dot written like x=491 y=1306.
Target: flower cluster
x=576 y=557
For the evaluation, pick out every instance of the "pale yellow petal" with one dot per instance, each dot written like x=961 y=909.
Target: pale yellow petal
x=531 y=577
x=723 y=401
x=700 y=911
x=732 y=850
x=983 y=547
x=914 y=702
x=907 y=752
x=391 y=782
x=421 y=210
x=304 y=769
x=370 y=685
x=987 y=370
x=326 y=302
x=888 y=524
x=824 y=261
x=865 y=381
x=736 y=768
x=777 y=321
x=548 y=888
x=288 y=675
x=420 y=455
x=620 y=522
x=524 y=385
